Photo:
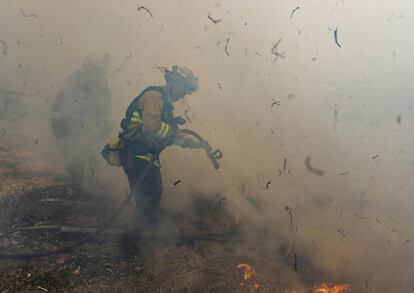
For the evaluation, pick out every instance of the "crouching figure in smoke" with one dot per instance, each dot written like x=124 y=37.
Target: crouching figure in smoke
x=148 y=128
x=80 y=119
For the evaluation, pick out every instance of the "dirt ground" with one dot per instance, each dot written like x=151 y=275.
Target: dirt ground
x=199 y=250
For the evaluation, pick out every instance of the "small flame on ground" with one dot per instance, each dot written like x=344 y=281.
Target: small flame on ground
x=248 y=272
x=325 y=288
x=341 y=288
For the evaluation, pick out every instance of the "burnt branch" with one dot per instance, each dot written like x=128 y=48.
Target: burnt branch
x=312 y=169
x=215 y=21
x=226 y=47
x=336 y=37
x=5 y=46
x=122 y=63
x=60 y=42
x=27 y=15
x=276 y=52
x=146 y=9
x=293 y=11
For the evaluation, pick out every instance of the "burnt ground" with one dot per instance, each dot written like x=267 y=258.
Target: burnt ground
x=177 y=260
x=195 y=251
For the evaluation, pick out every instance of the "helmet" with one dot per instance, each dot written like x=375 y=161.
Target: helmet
x=183 y=78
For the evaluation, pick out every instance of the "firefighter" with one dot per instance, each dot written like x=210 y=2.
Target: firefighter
x=148 y=128
x=81 y=119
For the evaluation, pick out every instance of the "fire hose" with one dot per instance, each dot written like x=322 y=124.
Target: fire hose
x=214 y=157
x=89 y=237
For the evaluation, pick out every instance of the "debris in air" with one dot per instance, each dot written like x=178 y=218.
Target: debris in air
x=336 y=5
x=399 y=119
x=122 y=64
x=276 y=52
x=60 y=42
x=358 y=216
x=274 y=102
x=289 y=210
x=219 y=86
x=146 y=9
x=27 y=15
x=293 y=11
x=343 y=173
x=296 y=262
x=215 y=21
x=162 y=69
x=312 y=169
x=342 y=232
x=376 y=156
x=187 y=117
x=268 y=184
x=226 y=47
x=4 y=49
x=291 y=97
x=336 y=37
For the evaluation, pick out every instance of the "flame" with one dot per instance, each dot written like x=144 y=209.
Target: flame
x=249 y=282
x=341 y=288
x=247 y=270
x=325 y=288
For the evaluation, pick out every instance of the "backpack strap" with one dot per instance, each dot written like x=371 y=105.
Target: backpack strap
x=134 y=106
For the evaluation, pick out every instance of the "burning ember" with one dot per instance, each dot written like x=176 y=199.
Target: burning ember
x=247 y=281
x=325 y=288
x=247 y=269
x=341 y=288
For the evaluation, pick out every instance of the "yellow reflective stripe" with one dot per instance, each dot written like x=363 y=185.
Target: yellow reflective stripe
x=136 y=117
x=148 y=157
x=164 y=129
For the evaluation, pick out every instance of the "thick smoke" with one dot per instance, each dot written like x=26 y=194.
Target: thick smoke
x=267 y=107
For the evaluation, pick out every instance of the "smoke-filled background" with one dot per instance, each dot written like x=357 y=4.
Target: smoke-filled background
x=275 y=88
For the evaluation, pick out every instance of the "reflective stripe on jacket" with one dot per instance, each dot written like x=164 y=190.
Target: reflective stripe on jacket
x=146 y=124
x=148 y=157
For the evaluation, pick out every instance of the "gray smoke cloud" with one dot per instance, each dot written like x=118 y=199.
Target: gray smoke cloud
x=275 y=88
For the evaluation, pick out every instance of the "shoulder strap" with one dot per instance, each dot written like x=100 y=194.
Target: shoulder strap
x=134 y=105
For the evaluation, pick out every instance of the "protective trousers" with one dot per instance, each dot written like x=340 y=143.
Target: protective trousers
x=147 y=195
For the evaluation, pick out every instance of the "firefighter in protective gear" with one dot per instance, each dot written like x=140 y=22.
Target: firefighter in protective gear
x=149 y=127
x=80 y=119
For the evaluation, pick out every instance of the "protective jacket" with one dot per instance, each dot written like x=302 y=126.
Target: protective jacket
x=148 y=127
x=147 y=124
x=150 y=112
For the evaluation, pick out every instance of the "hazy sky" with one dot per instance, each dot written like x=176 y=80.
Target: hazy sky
x=338 y=104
